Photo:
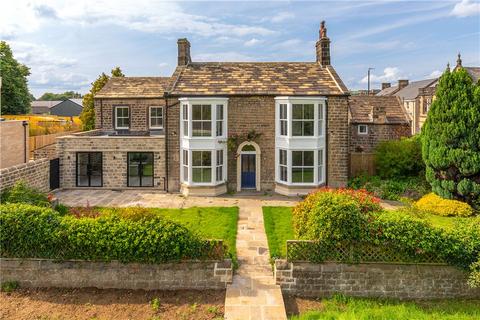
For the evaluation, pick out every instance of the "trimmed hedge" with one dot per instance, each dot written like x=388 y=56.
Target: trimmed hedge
x=444 y=207
x=34 y=232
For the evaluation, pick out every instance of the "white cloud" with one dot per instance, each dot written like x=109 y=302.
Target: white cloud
x=23 y=16
x=49 y=71
x=281 y=16
x=389 y=74
x=252 y=42
x=435 y=74
x=466 y=8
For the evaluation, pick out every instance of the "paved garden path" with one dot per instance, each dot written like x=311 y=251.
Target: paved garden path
x=253 y=295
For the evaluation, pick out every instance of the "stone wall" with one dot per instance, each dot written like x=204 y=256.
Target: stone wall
x=114 y=155
x=36 y=174
x=173 y=140
x=115 y=275
x=337 y=141
x=253 y=113
x=48 y=151
x=139 y=112
x=13 y=143
x=376 y=134
x=398 y=281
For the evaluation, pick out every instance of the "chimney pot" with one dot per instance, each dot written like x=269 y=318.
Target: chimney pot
x=183 y=52
x=323 y=46
x=402 y=84
x=386 y=85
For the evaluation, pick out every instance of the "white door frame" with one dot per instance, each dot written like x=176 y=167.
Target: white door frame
x=257 y=153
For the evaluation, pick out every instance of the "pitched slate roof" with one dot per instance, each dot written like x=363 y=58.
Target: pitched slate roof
x=257 y=78
x=134 y=87
x=388 y=91
x=360 y=108
x=410 y=92
x=474 y=72
x=45 y=103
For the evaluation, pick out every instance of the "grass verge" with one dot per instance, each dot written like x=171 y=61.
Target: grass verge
x=340 y=307
x=278 y=227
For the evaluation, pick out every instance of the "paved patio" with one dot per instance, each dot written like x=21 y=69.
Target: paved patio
x=148 y=198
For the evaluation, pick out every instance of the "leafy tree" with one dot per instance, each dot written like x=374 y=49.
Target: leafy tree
x=49 y=96
x=15 y=97
x=451 y=139
x=88 y=113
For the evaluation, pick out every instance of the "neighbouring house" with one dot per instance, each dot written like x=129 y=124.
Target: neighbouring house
x=217 y=126
x=43 y=107
x=374 y=119
x=65 y=108
x=13 y=143
x=408 y=92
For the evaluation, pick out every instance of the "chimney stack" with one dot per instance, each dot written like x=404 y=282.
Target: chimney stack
x=402 y=84
x=323 y=46
x=183 y=52
x=386 y=85
x=379 y=114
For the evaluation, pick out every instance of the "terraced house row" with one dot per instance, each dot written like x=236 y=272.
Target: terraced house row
x=217 y=126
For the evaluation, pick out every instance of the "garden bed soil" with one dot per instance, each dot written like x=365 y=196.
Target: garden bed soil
x=115 y=304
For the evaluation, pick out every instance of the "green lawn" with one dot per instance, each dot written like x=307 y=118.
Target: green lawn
x=278 y=227
x=376 y=309
x=208 y=222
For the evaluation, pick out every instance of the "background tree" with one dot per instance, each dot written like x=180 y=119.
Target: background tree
x=49 y=96
x=88 y=112
x=451 y=139
x=15 y=97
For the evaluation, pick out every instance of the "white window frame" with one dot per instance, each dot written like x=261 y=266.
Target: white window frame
x=303 y=120
x=219 y=120
x=303 y=167
x=157 y=117
x=321 y=166
x=186 y=117
x=283 y=118
x=219 y=165
x=184 y=120
x=362 y=126
x=202 y=167
x=283 y=165
x=185 y=165
x=116 y=108
x=202 y=121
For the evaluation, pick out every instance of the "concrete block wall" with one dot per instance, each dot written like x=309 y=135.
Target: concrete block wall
x=398 y=281
x=199 y=275
x=35 y=173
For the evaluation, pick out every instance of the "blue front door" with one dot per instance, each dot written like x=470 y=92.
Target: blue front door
x=248 y=171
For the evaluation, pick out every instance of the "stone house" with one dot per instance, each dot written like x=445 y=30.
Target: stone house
x=374 y=119
x=217 y=126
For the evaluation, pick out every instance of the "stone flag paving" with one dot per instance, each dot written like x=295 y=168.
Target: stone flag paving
x=253 y=293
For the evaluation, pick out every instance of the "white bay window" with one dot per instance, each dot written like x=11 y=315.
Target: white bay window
x=203 y=127
x=300 y=140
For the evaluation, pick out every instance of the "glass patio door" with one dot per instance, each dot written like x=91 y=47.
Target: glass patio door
x=140 y=169
x=89 y=169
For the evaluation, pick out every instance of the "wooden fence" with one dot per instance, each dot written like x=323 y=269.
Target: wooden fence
x=361 y=162
x=37 y=142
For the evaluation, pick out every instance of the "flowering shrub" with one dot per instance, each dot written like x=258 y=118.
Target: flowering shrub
x=444 y=207
x=334 y=214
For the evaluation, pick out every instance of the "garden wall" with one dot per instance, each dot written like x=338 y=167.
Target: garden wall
x=115 y=275
x=399 y=281
x=36 y=174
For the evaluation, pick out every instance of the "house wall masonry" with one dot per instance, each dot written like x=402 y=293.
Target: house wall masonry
x=398 y=281
x=337 y=140
x=139 y=112
x=34 y=173
x=114 y=155
x=199 y=275
x=376 y=133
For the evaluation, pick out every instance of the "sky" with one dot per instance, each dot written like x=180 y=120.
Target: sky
x=67 y=44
